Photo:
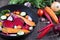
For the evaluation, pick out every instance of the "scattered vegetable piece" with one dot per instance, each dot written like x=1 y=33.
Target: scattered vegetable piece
x=11 y=30
x=19 y=27
x=18 y=21
x=3 y=17
x=0 y=28
x=23 y=13
x=20 y=33
x=0 y=23
x=10 y=18
x=7 y=14
x=30 y=28
x=8 y=24
x=12 y=34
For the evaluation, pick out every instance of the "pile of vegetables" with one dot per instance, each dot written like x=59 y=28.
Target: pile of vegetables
x=15 y=23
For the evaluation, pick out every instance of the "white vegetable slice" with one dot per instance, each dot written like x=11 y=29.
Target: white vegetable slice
x=10 y=18
x=12 y=34
x=15 y=27
x=30 y=28
x=20 y=33
x=29 y=18
x=23 y=13
x=0 y=28
x=3 y=17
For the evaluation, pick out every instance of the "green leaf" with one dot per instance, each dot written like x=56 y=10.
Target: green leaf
x=21 y=1
x=14 y=1
x=37 y=3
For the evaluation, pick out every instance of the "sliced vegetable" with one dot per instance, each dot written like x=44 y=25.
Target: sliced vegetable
x=23 y=13
x=17 y=12
x=31 y=23
x=20 y=33
x=30 y=28
x=52 y=14
x=0 y=23
x=7 y=14
x=18 y=21
x=28 y=17
x=19 y=27
x=8 y=24
x=10 y=18
x=12 y=34
x=12 y=30
x=0 y=28
x=26 y=27
x=3 y=17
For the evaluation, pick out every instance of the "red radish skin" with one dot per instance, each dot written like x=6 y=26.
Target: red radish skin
x=47 y=16
x=43 y=33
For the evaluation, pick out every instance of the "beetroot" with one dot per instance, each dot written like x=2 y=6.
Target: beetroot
x=59 y=19
x=26 y=27
x=18 y=21
x=8 y=23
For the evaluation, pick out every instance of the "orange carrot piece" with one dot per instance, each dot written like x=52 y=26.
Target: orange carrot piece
x=31 y=23
x=12 y=30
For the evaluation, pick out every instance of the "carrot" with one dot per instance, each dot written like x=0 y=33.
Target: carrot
x=7 y=14
x=51 y=13
x=11 y=30
x=31 y=23
x=26 y=16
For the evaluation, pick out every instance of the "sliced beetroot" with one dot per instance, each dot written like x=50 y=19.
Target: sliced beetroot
x=26 y=27
x=18 y=21
x=59 y=19
x=8 y=23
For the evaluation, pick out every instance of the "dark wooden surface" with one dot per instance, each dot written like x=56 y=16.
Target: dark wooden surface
x=33 y=35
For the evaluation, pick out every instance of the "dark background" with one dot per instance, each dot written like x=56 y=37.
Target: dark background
x=33 y=35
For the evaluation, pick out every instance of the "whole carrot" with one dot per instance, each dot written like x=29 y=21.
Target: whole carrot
x=52 y=14
x=43 y=33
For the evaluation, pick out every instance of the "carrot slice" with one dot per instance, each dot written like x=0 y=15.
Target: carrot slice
x=31 y=23
x=12 y=30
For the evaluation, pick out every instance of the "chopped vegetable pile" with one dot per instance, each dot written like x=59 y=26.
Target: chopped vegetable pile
x=16 y=23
